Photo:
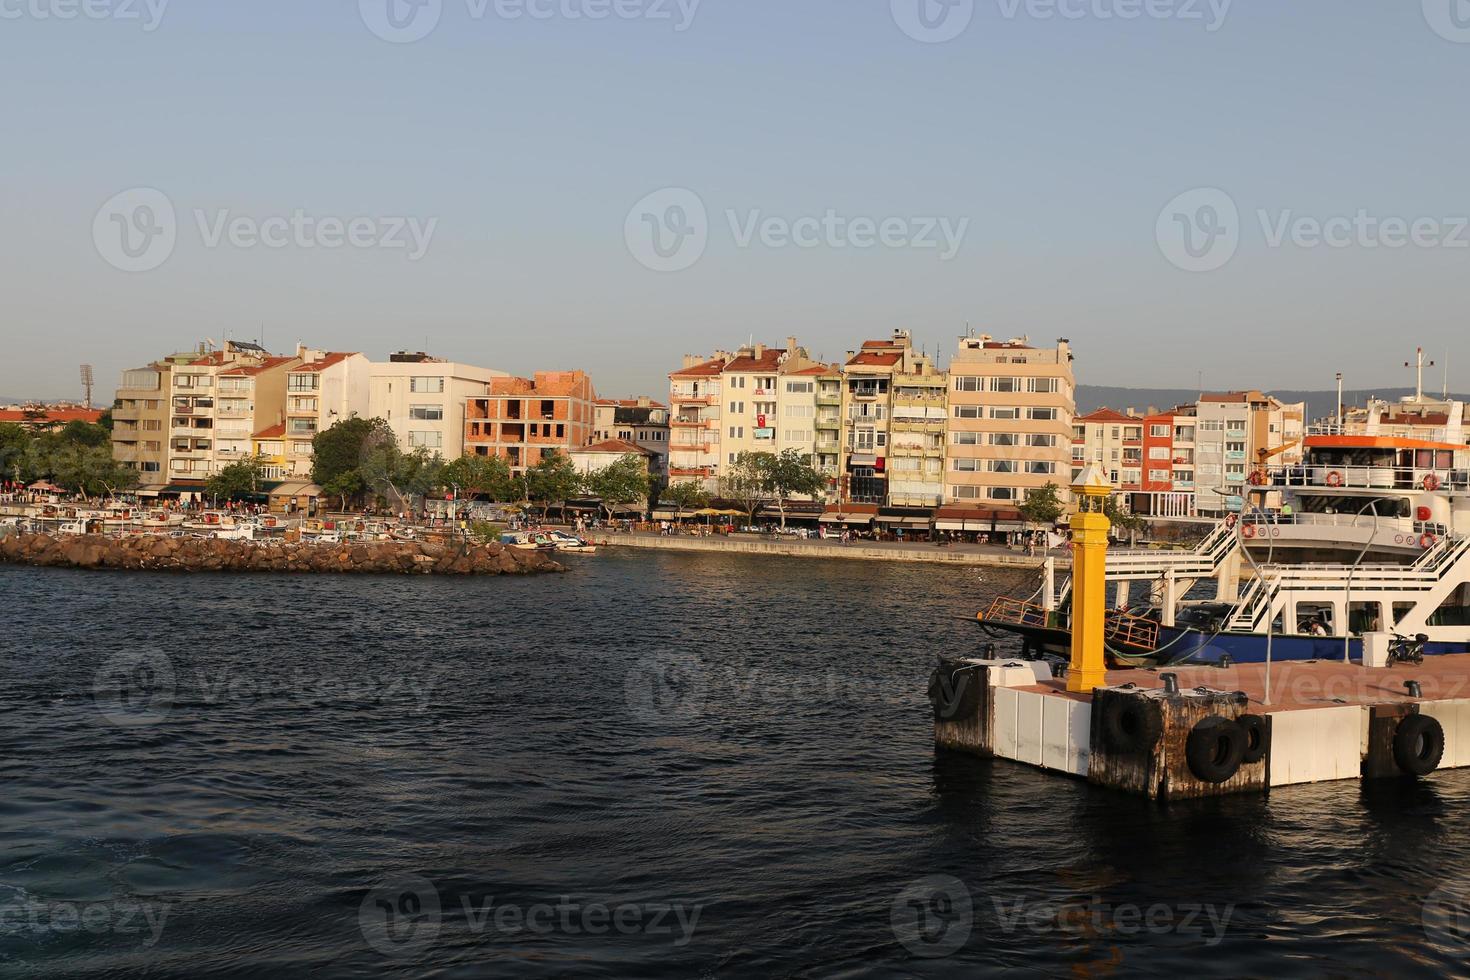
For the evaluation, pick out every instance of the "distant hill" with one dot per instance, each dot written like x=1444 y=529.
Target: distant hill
x=1319 y=403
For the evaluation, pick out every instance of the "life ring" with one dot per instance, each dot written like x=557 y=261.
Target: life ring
x=1248 y=532
x=1427 y=541
x=1215 y=749
x=1431 y=483
x=1129 y=725
x=1334 y=479
x=1257 y=738
x=1418 y=744
x=1258 y=479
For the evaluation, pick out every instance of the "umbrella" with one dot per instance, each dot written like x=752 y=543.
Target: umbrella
x=708 y=512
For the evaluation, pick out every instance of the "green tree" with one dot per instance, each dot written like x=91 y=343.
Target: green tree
x=84 y=434
x=398 y=477
x=479 y=476
x=553 y=480
x=88 y=470
x=338 y=454
x=619 y=484
x=1043 y=506
x=1120 y=519
x=104 y=421
x=744 y=482
x=237 y=480
x=15 y=448
x=685 y=495
x=790 y=474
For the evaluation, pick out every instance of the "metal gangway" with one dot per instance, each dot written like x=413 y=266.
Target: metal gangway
x=1211 y=558
x=1435 y=569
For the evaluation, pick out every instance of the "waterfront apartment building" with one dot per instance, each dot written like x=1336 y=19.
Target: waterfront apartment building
x=522 y=419
x=695 y=416
x=1011 y=408
x=140 y=423
x=1148 y=458
x=325 y=388
x=217 y=401
x=1233 y=433
x=757 y=399
x=872 y=378
x=423 y=399
x=640 y=421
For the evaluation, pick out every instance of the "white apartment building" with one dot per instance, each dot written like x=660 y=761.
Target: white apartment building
x=1232 y=432
x=423 y=399
x=322 y=390
x=216 y=403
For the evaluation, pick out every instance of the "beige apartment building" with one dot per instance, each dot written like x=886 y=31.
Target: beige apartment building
x=140 y=422
x=423 y=399
x=1011 y=407
x=758 y=399
x=217 y=401
x=873 y=378
x=1232 y=432
x=325 y=388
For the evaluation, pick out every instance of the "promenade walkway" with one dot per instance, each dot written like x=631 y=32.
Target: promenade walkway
x=755 y=544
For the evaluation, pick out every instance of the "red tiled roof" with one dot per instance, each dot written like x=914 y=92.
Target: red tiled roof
x=1109 y=415
x=50 y=415
x=769 y=360
x=707 y=369
x=274 y=432
x=212 y=359
x=881 y=360
x=819 y=369
x=615 y=446
x=876 y=344
x=269 y=364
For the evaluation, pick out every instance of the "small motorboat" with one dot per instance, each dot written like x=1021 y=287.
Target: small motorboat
x=563 y=541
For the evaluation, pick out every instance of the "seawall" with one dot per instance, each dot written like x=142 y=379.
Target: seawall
x=921 y=554
x=159 y=553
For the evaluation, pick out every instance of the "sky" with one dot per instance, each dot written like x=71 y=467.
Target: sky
x=1257 y=193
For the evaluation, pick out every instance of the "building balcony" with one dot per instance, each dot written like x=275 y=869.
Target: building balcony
x=690 y=447
x=687 y=423
x=831 y=398
x=694 y=399
x=699 y=472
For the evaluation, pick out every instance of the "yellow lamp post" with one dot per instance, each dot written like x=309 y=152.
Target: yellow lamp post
x=1089 y=581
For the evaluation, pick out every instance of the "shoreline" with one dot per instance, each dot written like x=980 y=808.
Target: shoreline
x=964 y=555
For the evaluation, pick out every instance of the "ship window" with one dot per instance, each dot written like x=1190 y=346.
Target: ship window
x=1365 y=617
x=1400 y=610
x=1455 y=611
x=1314 y=616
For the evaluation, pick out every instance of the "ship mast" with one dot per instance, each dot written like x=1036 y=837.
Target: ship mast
x=1418 y=364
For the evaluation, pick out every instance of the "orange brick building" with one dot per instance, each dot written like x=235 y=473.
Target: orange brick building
x=522 y=418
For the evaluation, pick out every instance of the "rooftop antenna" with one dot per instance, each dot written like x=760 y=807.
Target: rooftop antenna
x=87 y=382
x=1446 y=395
x=1418 y=364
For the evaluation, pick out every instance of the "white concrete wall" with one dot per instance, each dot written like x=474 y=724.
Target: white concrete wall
x=1318 y=744
x=1454 y=718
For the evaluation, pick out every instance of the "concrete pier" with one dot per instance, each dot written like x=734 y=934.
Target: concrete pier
x=1216 y=732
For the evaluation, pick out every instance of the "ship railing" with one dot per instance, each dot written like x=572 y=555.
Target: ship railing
x=1016 y=612
x=1368 y=477
x=1124 y=629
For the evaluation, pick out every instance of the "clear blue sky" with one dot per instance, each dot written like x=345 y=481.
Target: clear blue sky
x=1059 y=140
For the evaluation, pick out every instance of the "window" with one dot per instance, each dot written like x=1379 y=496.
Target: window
x=1005 y=414
x=426 y=386
x=1004 y=439
x=302 y=382
x=1008 y=385
x=1036 y=467
x=433 y=439
x=800 y=387
x=962 y=492
x=1002 y=493
x=1043 y=386
x=965 y=465
x=1041 y=414
x=965 y=438
x=426 y=413
x=967 y=411
x=801 y=411
x=969 y=384
x=737 y=408
x=1039 y=441
x=1158 y=452
x=1159 y=431
x=1002 y=466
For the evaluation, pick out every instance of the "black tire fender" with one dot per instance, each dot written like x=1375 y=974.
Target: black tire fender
x=1214 y=749
x=1257 y=738
x=1130 y=725
x=1418 y=744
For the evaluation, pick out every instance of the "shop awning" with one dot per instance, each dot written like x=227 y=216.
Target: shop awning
x=850 y=514
x=978 y=519
x=296 y=490
x=905 y=521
